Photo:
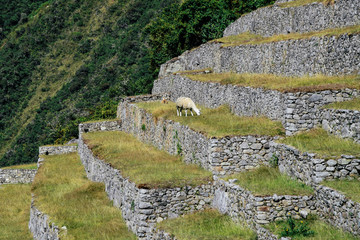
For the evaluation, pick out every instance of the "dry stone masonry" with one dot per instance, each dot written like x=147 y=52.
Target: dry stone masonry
x=14 y=176
x=114 y=125
x=56 y=150
x=337 y=209
x=343 y=123
x=274 y=20
x=328 y=55
x=222 y=156
x=312 y=169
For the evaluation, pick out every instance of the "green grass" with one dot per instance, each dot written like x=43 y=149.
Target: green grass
x=63 y=192
x=248 y=38
x=281 y=83
x=264 y=181
x=14 y=212
x=351 y=188
x=353 y=104
x=206 y=225
x=143 y=164
x=320 y=142
x=23 y=166
x=298 y=3
x=219 y=122
x=323 y=230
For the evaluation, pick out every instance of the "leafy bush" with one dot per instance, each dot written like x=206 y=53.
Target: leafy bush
x=292 y=228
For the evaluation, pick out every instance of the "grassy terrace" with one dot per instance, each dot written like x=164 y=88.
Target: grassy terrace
x=248 y=38
x=353 y=104
x=219 y=122
x=14 y=212
x=320 y=142
x=206 y=225
x=322 y=230
x=281 y=83
x=64 y=193
x=298 y=3
x=23 y=166
x=144 y=164
x=351 y=188
x=265 y=181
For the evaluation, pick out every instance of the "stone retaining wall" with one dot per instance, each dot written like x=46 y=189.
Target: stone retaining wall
x=274 y=20
x=220 y=155
x=107 y=125
x=143 y=208
x=343 y=123
x=328 y=55
x=298 y=111
x=14 y=176
x=237 y=202
x=312 y=169
x=56 y=150
x=338 y=210
x=41 y=226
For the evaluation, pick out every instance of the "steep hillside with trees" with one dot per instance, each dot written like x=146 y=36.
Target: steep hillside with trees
x=69 y=61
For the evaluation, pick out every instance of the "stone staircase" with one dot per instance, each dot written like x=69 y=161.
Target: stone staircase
x=329 y=55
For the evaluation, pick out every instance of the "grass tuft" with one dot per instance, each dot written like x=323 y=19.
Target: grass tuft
x=323 y=230
x=248 y=38
x=207 y=225
x=14 y=211
x=320 y=142
x=64 y=193
x=143 y=164
x=351 y=188
x=298 y=3
x=23 y=166
x=265 y=181
x=219 y=122
x=353 y=104
x=281 y=83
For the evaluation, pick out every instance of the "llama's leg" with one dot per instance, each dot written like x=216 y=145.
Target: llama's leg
x=191 y=112
x=177 y=111
x=185 y=112
x=180 y=111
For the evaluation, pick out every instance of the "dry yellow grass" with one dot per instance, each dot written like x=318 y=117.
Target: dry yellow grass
x=252 y=39
x=143 y=164
x=298 y=3
x=219 y=122
x=64 y=193
x=281 y=83
x=14 y=212
x=23 y=166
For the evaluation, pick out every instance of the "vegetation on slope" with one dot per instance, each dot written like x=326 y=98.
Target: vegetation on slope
x=281 y=83
x=265 y=181
x=72 y=60
x=353 y=104
x=218 y=122
x=15 y=202
x=23 y=166
x=144 y=164
x=322 y=230
x=207 y=224
x=320 y=142
x=351 y=188
x=63 y=192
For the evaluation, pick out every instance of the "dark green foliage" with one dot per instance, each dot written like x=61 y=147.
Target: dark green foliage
x=115 y=58
x=296 y=228
x=184 y=26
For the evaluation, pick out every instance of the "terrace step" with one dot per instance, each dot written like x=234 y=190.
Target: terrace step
x=279 y=19
x=291 y=55
x=61 y=195
x=299 y=110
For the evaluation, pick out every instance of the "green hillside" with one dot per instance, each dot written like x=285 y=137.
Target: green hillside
x=71 y=60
